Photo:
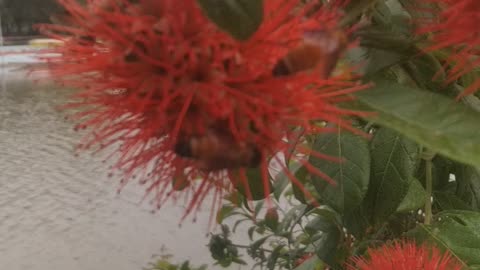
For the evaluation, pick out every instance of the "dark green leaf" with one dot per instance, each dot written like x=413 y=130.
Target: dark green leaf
x=257 y=244
x=468 y=185
x=394 y=161
x=325 y=233
x=272 y=259
x=293 y=215
x=351 y=175
x=240 y=18
x=255 y=189
x=449 y=201
x=441 y=169
x=303 y=176
x=456 y=231
x=358 y=220
x=415 y=198
x=324 y=220
x=379 y=60
x=326 y=242
x=442 y=125
x=224 y=212
x=427 y=72
x=251 y=230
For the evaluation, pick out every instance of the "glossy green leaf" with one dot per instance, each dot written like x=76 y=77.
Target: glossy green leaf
x=442 y=125
x=240 y=18
x=456 y=231
x=351 y=176
x=415 y=198
x=394 y=161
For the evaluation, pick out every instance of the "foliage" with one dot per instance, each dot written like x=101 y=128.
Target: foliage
x=416 y=177
x=409 y=169
x=164 y=263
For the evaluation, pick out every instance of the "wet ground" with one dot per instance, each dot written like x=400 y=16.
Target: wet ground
x=58 y=211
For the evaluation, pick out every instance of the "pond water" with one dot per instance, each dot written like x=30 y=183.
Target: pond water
x=58 y=211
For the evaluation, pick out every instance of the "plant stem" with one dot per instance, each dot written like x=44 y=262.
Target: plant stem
x=428 y=156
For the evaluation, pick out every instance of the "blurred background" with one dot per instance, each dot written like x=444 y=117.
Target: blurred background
x=59 y=211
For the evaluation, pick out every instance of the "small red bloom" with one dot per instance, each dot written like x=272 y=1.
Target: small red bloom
x=405 y=256
x=453 y=25
x=160 y=83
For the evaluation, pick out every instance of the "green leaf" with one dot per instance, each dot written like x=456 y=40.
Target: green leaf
x=358 y=221
x=326 y=240
x=441 y=169
x=303 y=176
x=273 y=258
x=427 y=72
x=438 y=123
x=379 y=60
x=291 y=217
x=325 y=233
x=456 y=231
x=322 y=222
x=415 y=198
x=449 y=201
x=351 y=176
x=224 y=212
x=240 y=18
x=394 y=160
x=468 y=185
x=256 y=187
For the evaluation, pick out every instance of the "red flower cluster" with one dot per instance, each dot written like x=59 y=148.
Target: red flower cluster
x=454 y=26
x=405 y=256
x=181 y=100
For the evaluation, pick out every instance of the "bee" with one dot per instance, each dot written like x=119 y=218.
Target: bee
x=320 y=51
x=217 y=150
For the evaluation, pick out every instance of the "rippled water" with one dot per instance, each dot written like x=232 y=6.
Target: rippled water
x=58 y=211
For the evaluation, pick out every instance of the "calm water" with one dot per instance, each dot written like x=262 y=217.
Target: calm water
x=58 y=211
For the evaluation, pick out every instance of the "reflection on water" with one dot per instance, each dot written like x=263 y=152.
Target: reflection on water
x=58 y=211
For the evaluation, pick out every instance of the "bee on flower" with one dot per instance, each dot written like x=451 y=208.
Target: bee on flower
x=182 y=101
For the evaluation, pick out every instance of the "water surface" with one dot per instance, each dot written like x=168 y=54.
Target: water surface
x=58 y=211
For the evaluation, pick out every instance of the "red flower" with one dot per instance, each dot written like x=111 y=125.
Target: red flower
x=178 y=98
x=454 y=26
x=405 y=256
